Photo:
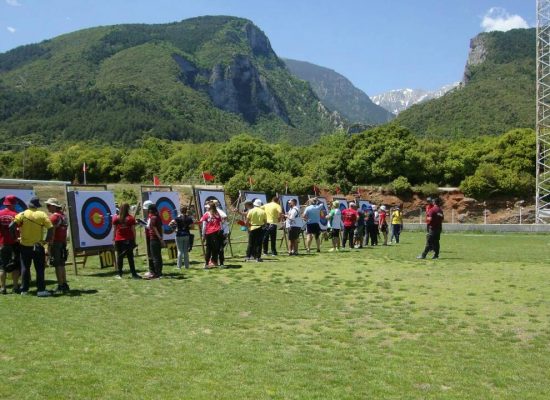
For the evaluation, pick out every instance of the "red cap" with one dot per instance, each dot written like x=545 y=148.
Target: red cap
x=10 y=200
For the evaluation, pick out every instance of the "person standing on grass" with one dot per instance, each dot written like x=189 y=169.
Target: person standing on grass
x=396 y=224
x=273 y=212
x=32 y=223
x=312 y=216
x=156 y=242
x=376 y=230
x=212 y=227
x=57 y=246
x=294 y=224
x=349 y=218
x=435 y=225
x=335 y=225
x=124 y=226
x=429 y=206
x=383 y=223
x=224 y=233
x=10 y=260
x=256 y=220
x=359 y=233
x=247 y=207
x=182 y=224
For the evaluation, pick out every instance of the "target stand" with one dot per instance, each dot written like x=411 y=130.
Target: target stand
x=91 y=226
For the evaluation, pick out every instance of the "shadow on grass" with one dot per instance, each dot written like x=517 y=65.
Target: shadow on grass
x=78 y=292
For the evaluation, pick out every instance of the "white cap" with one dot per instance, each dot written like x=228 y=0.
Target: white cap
x=257 y=203
x=147 y=204
x=374 y=207
x=383 y=207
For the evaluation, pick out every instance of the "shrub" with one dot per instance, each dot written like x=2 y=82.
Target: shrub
x=427 y=189
x=401 y=185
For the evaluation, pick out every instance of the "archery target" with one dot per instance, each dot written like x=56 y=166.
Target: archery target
x=251 y=196
x=94 y=211
x=343 y=202
x=168 y=205
x=285 y=198
x=364 y=205
x=206 y=195
x=23 y=197
x=324 y=213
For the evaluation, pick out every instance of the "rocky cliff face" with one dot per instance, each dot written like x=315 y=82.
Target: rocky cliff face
x=476 y=56
x=399 y=100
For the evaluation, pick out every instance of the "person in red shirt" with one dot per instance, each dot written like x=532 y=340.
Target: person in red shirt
x=211 y=227
x=429 y=206
x=383 y=223
x=435 y=225
x=349 y=218
x=125 y=239
x=9 y=246
x=57 y=246
x=156 y=242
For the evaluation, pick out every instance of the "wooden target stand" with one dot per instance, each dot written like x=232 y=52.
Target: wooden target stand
x=107 y=257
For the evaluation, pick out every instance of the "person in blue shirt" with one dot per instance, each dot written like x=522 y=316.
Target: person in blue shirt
x=312 y=215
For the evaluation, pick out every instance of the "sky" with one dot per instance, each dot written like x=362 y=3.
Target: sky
x=379 y=45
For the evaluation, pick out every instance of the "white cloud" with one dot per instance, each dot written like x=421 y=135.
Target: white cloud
x=13 y=3
x=498 y=19
x=11 y=29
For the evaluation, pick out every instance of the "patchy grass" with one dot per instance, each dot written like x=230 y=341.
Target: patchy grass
x=371 y=323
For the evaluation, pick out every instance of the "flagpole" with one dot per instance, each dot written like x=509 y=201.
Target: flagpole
x=84 y=170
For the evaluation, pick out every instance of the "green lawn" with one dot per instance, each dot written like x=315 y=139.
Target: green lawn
x=367 y=324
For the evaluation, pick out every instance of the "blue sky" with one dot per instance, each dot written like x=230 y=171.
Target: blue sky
x=378 y=44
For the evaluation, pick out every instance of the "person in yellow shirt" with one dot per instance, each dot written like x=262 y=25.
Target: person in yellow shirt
x=256 y=220
x=273 y=212
x=396 y=224
x=32 y=224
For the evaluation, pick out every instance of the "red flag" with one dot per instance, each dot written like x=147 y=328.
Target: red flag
x=84 y=167
x=337 y=190
x=207 y=176
x=156 y=180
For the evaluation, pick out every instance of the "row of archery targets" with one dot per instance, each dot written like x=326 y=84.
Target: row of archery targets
x=90 y=209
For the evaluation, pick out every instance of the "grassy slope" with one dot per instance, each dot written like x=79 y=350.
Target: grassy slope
x=367 y=324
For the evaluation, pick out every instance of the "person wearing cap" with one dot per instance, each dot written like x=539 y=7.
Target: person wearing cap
x=312 y=216
x=32 y=223
x=256 y=220
x=294 y=224
x=10 y=261
x=396 y=224
x=211 y=223
x=224 y=234
x=376 y=230
x=383 y=223
x=435 y=224
x=273 y=212
x=429 y=206
x=335 y=225
x=349 y=219
x=183 y=224
x=57 y=246
x=145 y=223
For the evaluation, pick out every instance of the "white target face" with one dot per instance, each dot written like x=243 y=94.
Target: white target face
x=93 y=212
x=251 y=196
x=363 y=205
x=205 y=195
x=168 y=205
x=285 y=198
x=23 y=197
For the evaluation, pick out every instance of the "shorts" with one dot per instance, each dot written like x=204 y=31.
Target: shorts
x=10 y=258
x=313 y=229
x=335 y=233
x=294 y=233
x=359 y=232
x=58 y=254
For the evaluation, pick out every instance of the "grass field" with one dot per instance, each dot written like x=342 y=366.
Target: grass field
x=367 y=324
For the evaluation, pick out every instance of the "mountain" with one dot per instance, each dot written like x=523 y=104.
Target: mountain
x=497 y=94
x=399 y=100
x=339 y=94
x=205 y=78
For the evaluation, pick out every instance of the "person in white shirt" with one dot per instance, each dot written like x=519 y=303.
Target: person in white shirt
x=335 y=224
x=294 y=224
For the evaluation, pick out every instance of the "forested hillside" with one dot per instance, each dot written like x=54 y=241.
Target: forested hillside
x=205 y=78
x=498 y=93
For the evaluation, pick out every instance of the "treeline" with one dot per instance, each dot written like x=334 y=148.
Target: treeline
x=390 y=155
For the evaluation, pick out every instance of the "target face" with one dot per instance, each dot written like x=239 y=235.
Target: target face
x=252 y=196
x=168 y=205
x=96 y=218
x=285 y=198
x=364 y=205
x=343 y=202
x=203 y=196
x=92 y=218
x=23 y=196
x=324 y=213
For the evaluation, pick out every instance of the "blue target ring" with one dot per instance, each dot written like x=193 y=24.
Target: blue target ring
x=96 y=218
x=324 y=214
x=20 y=206
x=167 y=212
x=342 y=207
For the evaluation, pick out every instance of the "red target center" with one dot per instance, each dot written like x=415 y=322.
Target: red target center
x=96 y=217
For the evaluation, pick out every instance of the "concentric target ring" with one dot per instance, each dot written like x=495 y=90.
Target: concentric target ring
x=96 y=218
x=20 y=206
x=167 y=212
